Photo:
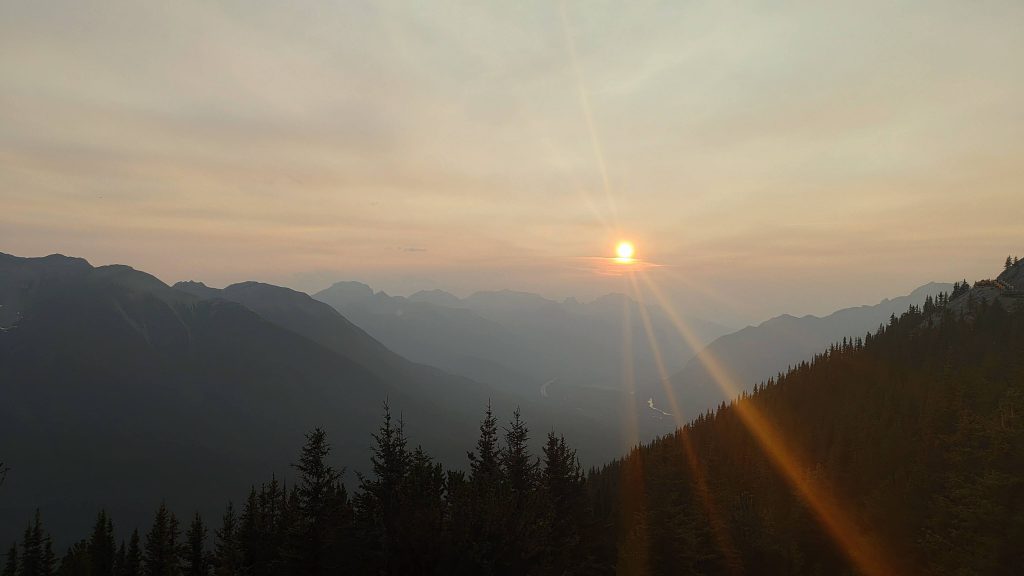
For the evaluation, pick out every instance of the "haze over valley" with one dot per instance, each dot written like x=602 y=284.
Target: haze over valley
x=528 y=288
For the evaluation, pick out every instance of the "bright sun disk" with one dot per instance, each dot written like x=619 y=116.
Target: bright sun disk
x=624 y=251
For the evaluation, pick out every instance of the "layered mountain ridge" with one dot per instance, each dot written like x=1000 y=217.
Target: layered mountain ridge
x=756 y=353
x=119 y=389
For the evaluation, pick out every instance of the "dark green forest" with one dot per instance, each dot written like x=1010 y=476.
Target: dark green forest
x=917 y=428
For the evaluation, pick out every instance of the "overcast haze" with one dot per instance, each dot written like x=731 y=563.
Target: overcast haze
x=820 y=154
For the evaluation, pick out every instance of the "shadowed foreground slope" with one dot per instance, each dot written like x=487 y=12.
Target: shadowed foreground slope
x=916 y=431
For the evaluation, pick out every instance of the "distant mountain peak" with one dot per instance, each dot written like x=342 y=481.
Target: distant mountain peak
x=348 y=292
x=197 y=289
x=508 y=299
x=137 y=281
x=262 y=287
x=50 y=263
x=437 y=297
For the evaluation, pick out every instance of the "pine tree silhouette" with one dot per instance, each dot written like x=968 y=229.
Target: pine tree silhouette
x=11 y=564
x=130 y=562
x=195 y=558
x=311 y=547
x=160 y=556
x=228 y=554
x=101 y=546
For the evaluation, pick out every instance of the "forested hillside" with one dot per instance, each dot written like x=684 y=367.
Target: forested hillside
x=916 y=432
x=908 y=443
x=756 y=353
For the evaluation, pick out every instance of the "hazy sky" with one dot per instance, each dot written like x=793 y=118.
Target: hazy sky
x=768 y=156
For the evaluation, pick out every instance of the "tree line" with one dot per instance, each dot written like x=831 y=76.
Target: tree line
x=510 y=513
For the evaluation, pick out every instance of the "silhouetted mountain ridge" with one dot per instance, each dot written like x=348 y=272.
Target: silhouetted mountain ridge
x=756 y=353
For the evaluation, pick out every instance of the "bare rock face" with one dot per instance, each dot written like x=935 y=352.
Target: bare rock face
x=1007 y=289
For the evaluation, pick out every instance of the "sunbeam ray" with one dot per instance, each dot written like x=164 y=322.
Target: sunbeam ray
x=632 y=430
x=678 y=277
x=633 y=541
x=557 y=159
x=718 y=528
x=588 y=116
x=858 y=547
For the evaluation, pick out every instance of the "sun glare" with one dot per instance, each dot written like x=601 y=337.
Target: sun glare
x=624 y=252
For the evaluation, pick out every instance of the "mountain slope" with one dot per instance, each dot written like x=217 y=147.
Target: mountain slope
x=118 y=389
x=319 y=322
x=301 y=314
x=915 y=437
x=757 y=353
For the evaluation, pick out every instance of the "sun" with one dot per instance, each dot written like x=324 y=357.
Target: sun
x=624 y=252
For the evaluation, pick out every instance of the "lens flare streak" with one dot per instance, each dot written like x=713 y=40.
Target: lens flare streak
x=864 y=553
x=718 y=528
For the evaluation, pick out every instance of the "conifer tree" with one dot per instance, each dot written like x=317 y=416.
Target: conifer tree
x=521 y=517
x=310 y=546
x=250 y=532
x=479 y=516
x=101 y=546
x=485 y=472
x=274 y=525
x=424 y=513
x=76 y=560
x=49 y=563
x=564 y=500
x=11 y=564
x=31 y=551
x=380 y=502
x=160 y=557
x=132 y=565
x=195 y=559
x=1009 y=262
x=37 y=558
x=120 y=559
x=227 y=554
x=520 y=469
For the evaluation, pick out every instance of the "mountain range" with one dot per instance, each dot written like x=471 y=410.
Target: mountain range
x=520 y=341
x=571 y=352
x=205 y=387
x=119 y=389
